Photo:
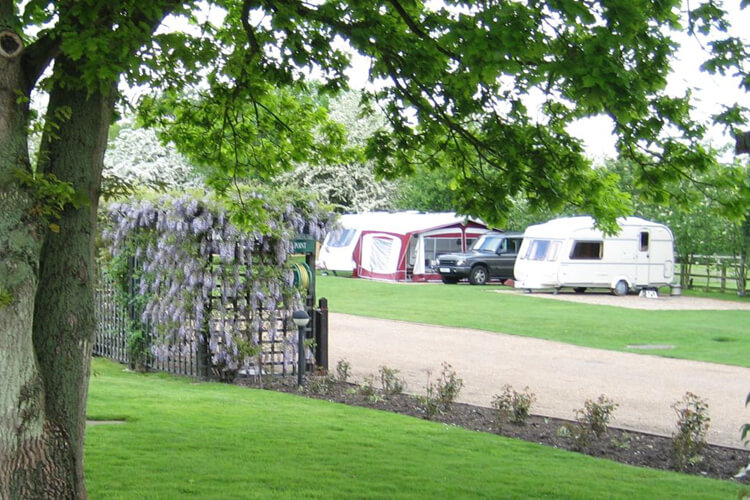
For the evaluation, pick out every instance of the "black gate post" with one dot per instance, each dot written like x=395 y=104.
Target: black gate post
x=321 y=334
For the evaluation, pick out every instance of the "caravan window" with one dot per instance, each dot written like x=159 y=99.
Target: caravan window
x=644 y=241
x=443 y=245
x=341 y=237
x=542 y=250
x=538 y=249
x=586 y=250
x=553 y=249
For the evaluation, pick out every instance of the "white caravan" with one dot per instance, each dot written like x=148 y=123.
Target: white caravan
x=570 y=252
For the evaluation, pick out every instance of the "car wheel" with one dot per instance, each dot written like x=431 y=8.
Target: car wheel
x=478 y=275
x=449 y=281
x=621 y=288
x=579 y=289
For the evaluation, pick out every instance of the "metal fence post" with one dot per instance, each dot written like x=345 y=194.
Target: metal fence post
x=321 y=334
x=133 y=321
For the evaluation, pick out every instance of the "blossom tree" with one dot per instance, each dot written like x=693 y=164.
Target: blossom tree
x=136 y=157
x=349 y=186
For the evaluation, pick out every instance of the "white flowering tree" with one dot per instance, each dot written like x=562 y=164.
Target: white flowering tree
x=348 y=186
x=137 y=157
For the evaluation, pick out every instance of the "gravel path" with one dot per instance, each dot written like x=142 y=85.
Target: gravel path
x=562 y=376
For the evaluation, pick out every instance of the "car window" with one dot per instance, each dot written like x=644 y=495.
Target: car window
x=514 y=244
x=487 y=243
x=509 y=245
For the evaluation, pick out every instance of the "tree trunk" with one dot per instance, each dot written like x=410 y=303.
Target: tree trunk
x=65 y=325
x=27 y=458
x=47 y=330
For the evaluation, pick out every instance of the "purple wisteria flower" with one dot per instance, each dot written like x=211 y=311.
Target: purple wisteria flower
x=198 y=270
x=202 y=224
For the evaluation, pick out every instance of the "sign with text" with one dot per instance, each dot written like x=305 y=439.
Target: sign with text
x=303 y=245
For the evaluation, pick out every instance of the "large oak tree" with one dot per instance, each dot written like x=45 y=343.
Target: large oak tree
x=454 y=81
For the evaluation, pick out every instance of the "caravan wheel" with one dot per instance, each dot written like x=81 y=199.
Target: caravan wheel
x=621 y=288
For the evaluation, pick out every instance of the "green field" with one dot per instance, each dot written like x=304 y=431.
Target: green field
x=183 y=439
x=715 y=336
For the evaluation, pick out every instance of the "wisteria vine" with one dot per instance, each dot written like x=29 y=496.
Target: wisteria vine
x=206 y=280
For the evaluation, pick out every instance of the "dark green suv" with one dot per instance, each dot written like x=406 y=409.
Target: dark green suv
x=491 y=257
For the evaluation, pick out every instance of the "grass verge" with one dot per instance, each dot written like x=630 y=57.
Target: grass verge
x=714 y=336
x=206 y=440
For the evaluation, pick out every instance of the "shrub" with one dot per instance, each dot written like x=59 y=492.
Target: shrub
x=442 y=393
x=390 y=382
x=343 y=370
x=322 y=384
x=692 y=426
x=182 y=264
x=512 y=406
x=139 y=350
x=367 y=389
x=596 y=415
x=580 y=435
x=591 y=421
x=448 y=385
x=428 y=404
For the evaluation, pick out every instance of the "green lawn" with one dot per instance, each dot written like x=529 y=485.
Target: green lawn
x=716 y=336
x=184 y=439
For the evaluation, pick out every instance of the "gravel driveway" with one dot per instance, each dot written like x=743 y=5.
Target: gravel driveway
x=562 y=376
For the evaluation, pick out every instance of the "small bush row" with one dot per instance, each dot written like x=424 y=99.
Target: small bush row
x=514 y=407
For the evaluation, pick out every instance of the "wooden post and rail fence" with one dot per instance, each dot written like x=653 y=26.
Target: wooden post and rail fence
x=713 y=273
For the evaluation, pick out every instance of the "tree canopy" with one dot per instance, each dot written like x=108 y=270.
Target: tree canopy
x=456 y=83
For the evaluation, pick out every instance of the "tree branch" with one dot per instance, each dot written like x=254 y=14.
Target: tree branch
x=7 y=12
x=38 y=56
x=417 y=30
x=247 y=5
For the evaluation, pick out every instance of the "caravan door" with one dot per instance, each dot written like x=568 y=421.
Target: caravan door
x=643 y=258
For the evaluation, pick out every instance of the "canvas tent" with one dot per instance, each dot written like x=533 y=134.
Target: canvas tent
x=396 y=246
